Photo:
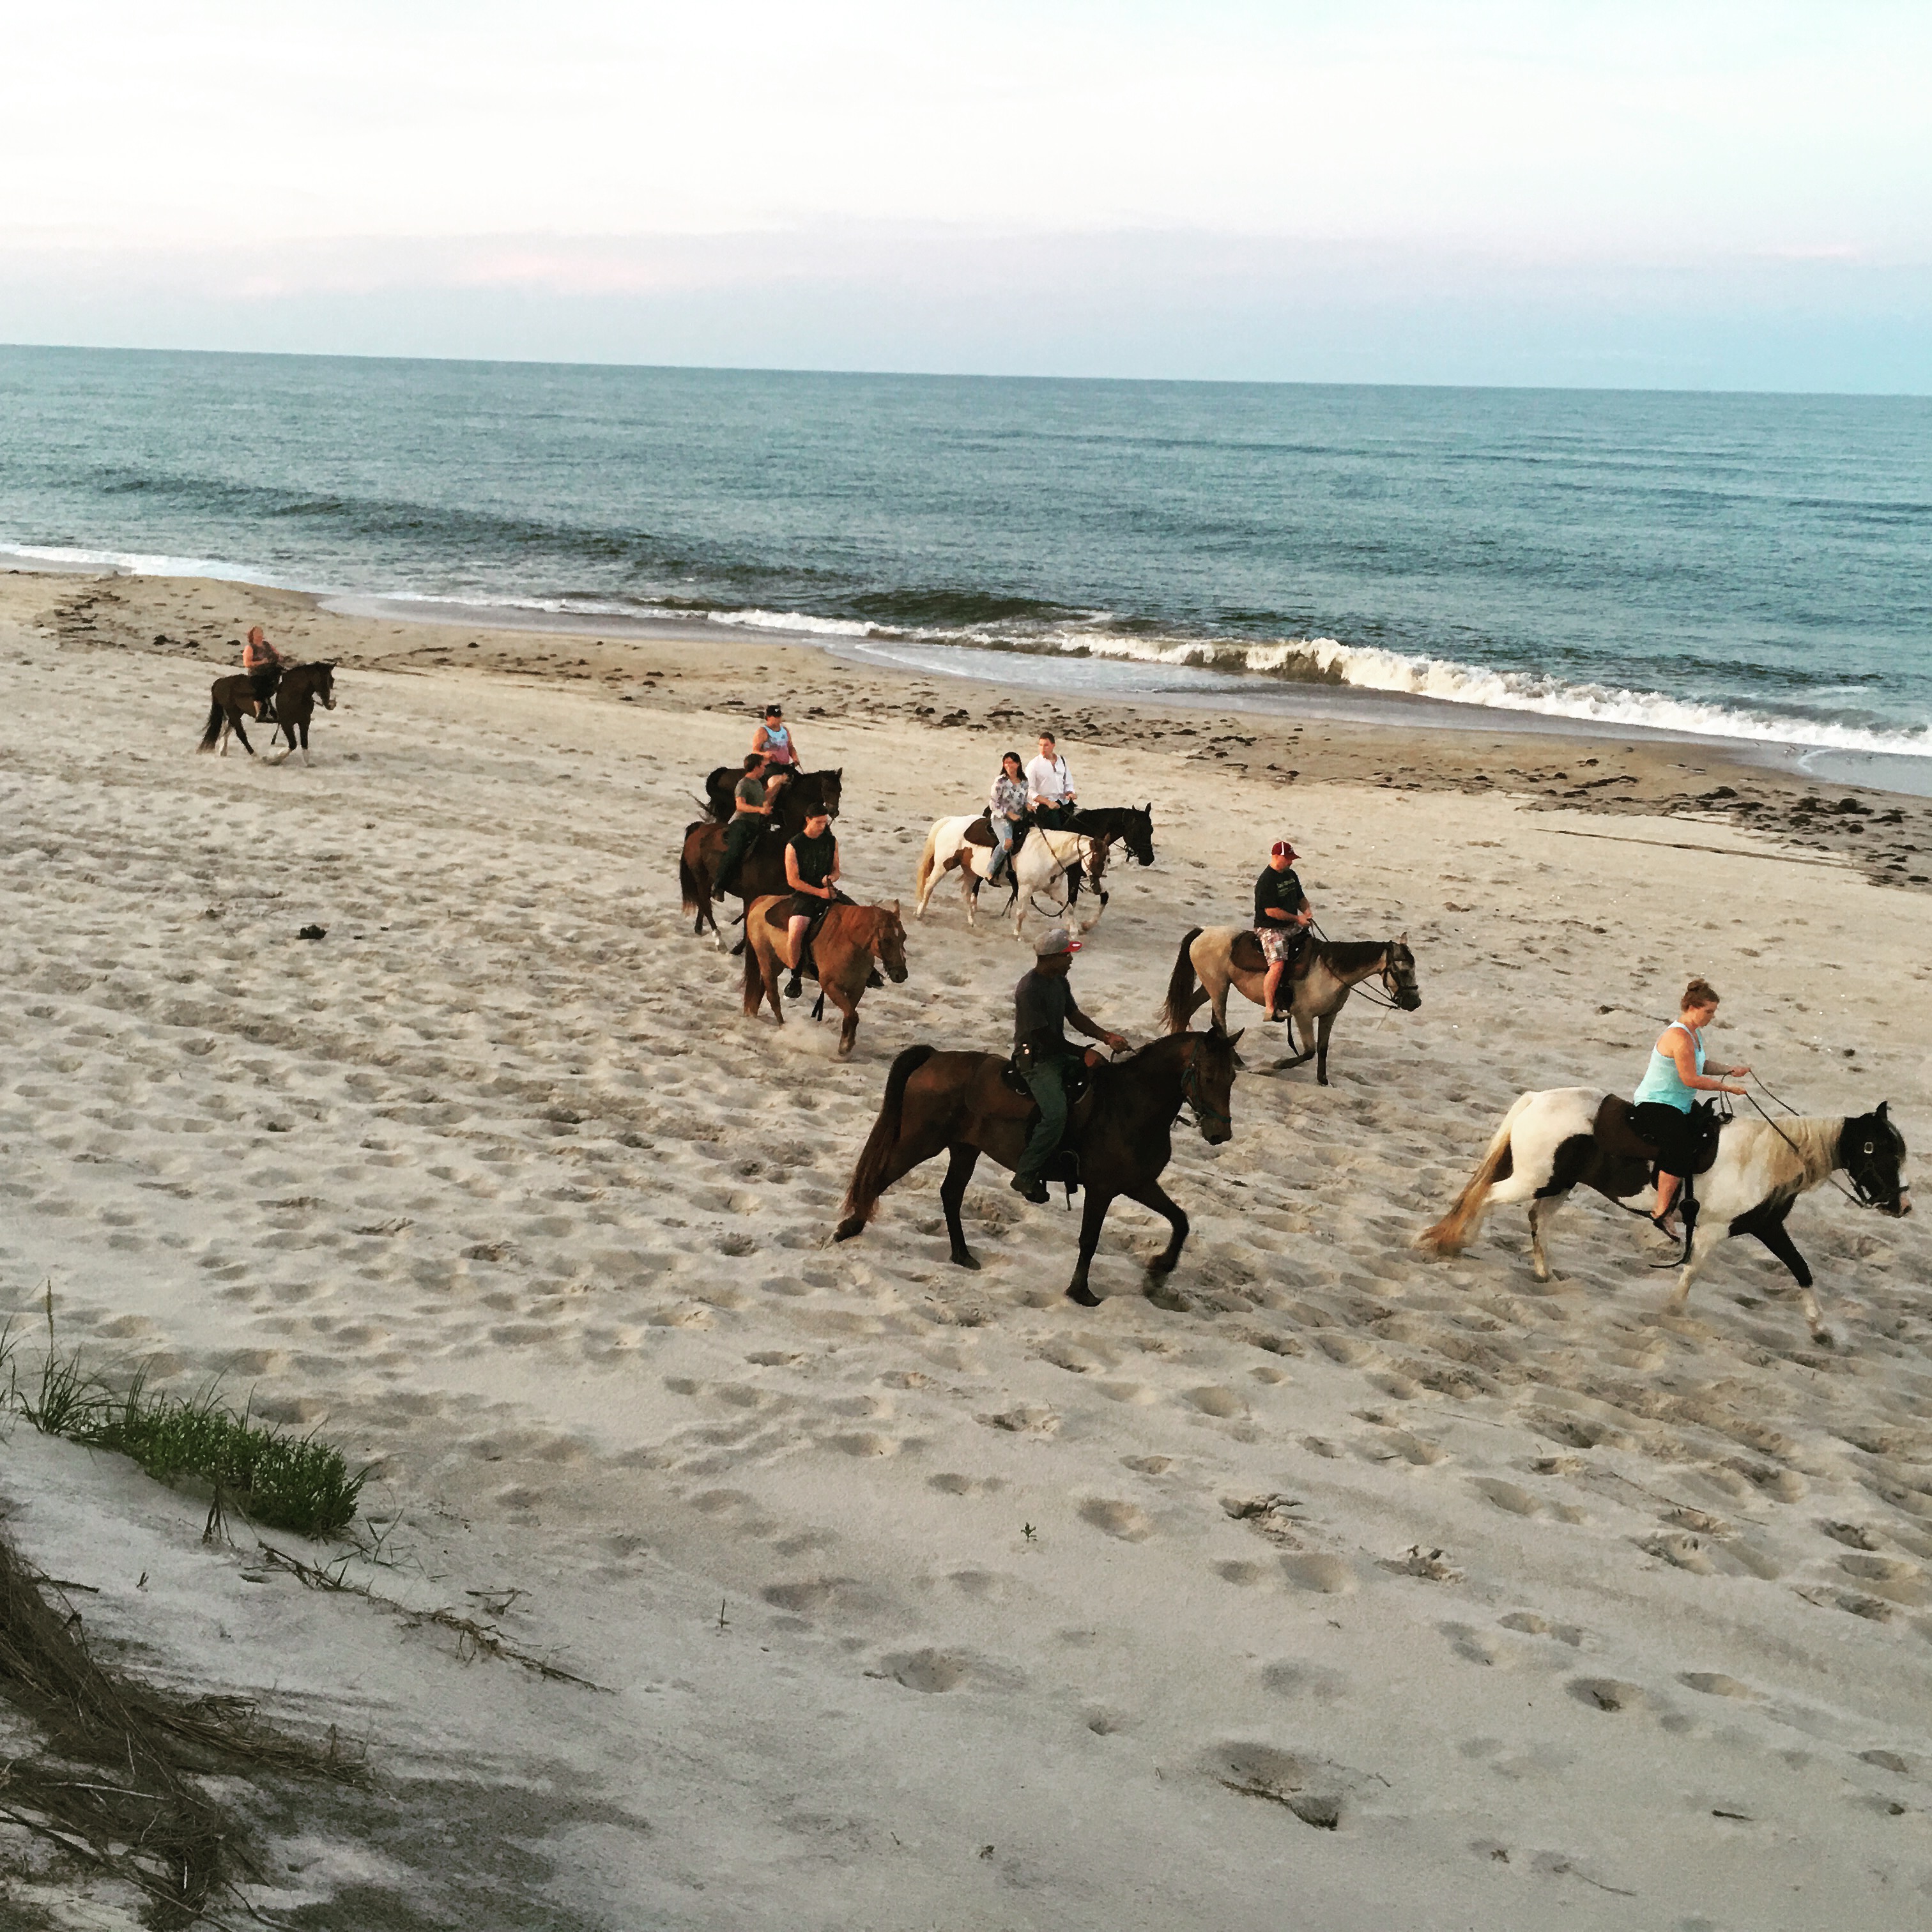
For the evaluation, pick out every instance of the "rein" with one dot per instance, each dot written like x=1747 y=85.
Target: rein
x=1359 y=987
x=1190 y=1096
x=1856 y=1194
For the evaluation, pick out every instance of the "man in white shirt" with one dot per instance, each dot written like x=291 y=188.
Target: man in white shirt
x=1050 y=787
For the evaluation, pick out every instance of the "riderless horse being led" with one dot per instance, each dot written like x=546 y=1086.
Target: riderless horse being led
x=1317 y=985
x=1551 y=1142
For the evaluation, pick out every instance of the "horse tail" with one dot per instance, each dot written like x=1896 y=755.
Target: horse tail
x=1463 y=1223
x=873 y=1175
x=689 y=882
x=926 y=860
x=1179 y=1007
x=212 y=735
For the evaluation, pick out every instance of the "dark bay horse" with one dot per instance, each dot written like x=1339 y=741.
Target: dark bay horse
x=293 y=705
x=848 y=940
x=1318 y=987
x=1120 y=1132
x=806 y=789
x=762 y=872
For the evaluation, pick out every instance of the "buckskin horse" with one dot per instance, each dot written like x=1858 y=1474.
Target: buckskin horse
x=1120 y=1133
x=233 y=698
x=1551 y=1142
x=1318 y=984
x=848 y=939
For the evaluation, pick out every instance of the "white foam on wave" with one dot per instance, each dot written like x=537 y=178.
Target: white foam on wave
x=793 y=620
x=137 y=563
x=1369 y=667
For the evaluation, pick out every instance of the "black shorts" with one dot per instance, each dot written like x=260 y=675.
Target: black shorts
x=1669 y=1130
x=806 y=905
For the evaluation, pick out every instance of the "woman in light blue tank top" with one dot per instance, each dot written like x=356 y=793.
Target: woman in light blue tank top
x=1678 y=1071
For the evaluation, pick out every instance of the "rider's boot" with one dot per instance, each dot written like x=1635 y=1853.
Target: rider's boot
x=1032 y=1189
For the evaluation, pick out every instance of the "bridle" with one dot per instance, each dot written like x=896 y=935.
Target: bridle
x=1857 y=1193
x=1191 y=1097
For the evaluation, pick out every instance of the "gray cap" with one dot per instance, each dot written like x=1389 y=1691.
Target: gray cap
x=1051 y=945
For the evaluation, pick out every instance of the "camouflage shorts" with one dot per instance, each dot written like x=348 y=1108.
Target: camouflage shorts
x=1278 y=942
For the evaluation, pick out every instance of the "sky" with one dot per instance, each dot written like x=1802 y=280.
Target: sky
x=1700 y=194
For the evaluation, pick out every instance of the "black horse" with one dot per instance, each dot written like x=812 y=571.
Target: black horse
x=1120 y=1133
x=1132 y=825
x=807 y=789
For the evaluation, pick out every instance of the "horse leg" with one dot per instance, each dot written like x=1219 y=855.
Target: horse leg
x=1091 y=1222
x=969 y=890
x=235 y=719
x=1777 y=1238
x=952 y=1192
x=1697 y=1251
x=1324 y=1026
x=1151 y=1194
x=1542 y=1212
x=848 y=1003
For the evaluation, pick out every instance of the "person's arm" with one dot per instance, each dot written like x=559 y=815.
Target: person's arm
x=1682 y=1052
x=792 y=878
x=832 y=877
x=1092 y=1029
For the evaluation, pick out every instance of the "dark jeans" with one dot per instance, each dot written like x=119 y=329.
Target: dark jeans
x=1053 y=818
x=1047 y=1082
x=264 y=682
x=740 y=835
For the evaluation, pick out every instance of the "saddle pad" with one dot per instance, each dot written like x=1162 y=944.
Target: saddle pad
x=1246 y=956
x=1615 y=1134
x=979 y=832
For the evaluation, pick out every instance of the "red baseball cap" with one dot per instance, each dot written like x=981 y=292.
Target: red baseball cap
x=1283 y=849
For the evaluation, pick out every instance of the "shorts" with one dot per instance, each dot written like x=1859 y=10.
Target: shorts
x=1278 y=942
x=806 y=905
x=1668 y=1130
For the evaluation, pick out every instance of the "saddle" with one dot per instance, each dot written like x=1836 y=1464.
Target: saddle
x=1617 y=1136
x=980 y=832
x=808 y=966
x=1245 y=954
x=1064 y=1166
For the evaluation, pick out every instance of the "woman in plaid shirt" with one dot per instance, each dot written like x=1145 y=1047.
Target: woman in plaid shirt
x=1006 y=809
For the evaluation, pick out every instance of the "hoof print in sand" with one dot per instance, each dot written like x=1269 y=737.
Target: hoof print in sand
x=933 y=1673
x=1610 y=1693
x=1127 y=1521
x=1029 y=1419
x=1261 y=1771
x=1326 y=1576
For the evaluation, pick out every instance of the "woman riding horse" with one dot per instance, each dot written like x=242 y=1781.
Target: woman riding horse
x=1665 y=1096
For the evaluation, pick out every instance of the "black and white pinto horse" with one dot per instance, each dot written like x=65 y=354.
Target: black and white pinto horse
x=1054 y=863
x=1551 y=1142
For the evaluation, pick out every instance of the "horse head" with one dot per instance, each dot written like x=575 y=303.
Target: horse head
x=889 y=942
x=1208 y=1085
x=1873 y=1151
x=1137 y=829
x=322 y=682
x=829 y=783
x=1399 y=975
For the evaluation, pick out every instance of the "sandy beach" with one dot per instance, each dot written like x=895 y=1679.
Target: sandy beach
x=1344 y=1589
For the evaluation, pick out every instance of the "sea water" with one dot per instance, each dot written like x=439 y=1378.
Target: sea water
x=1751 y=567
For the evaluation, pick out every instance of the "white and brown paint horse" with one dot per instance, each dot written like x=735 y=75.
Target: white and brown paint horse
x=1317 y=985
x=1040 y=866
x=1551 y=1142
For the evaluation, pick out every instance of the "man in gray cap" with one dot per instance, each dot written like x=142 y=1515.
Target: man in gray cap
x=1042 y=1003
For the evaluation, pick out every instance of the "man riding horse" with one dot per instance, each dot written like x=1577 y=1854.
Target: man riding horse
x=1282 y=916
x=1042 y=1003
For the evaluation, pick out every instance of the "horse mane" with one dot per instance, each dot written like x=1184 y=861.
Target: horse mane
x=1801 y=1152
x=1349 y=953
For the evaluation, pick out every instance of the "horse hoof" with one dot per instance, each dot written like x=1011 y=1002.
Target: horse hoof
x=965 y=1257
x=1160 y=1265
x=1824 y=1338
x=1083 y=1294
x=846 y=1229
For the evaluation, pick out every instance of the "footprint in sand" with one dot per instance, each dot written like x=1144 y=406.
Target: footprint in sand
x=1610 y=1693
x=864 y=1442
x=1291 y=1678
x=1244 y=1576
x=1216 y=1402
x=1127 y=1521
x=1536 y=1626
x=1325 y=1576
x=1262 y=1771
x=936 y=1672
x=1715 y=1684
x=951 y=1483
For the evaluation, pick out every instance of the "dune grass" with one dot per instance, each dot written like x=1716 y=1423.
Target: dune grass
x=277 y=1479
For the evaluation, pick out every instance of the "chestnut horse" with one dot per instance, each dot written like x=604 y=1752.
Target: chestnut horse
x=293 y=705
x=842 y=951
x=1120 y=1133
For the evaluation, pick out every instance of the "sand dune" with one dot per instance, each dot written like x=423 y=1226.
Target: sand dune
x=1340 y=1587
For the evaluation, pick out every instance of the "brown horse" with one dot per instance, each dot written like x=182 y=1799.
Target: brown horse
x=1317 y=989
x=842 y=951
x=290 y=709
x=762 y=872
x=1119 y=1132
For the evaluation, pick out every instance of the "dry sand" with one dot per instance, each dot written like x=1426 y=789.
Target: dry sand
x=921 y=1598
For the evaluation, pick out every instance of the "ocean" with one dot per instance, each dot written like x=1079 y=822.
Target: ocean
x=1746 y=567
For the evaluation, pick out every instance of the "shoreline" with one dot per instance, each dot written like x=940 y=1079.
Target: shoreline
x=1070 y=677
x=1306 y=739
